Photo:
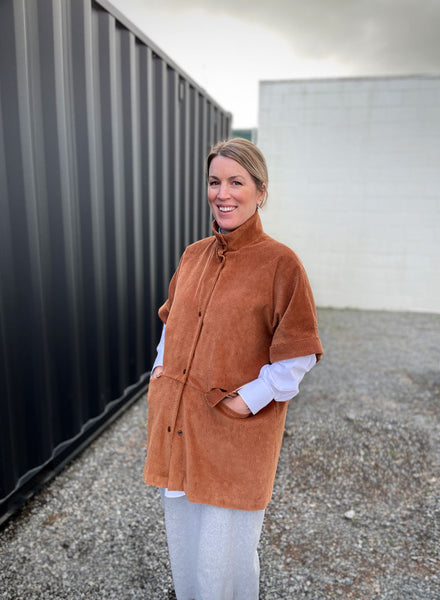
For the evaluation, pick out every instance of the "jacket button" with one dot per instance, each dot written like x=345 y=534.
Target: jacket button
x=179 y=432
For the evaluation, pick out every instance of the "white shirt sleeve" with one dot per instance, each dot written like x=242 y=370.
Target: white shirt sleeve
x=160 y=347
x=278 y=381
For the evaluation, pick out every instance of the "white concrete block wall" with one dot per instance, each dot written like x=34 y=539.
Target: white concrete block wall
x=354 y=168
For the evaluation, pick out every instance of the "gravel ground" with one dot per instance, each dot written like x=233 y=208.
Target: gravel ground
x=356 y=506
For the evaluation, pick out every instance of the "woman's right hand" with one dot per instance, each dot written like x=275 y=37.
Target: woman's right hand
x=157 y=372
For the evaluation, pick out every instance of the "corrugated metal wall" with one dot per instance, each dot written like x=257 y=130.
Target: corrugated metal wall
x=102 y=144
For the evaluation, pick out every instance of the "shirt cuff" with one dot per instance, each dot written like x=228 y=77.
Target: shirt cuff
x=157 y=363
x=160 y=351
x=256 y=394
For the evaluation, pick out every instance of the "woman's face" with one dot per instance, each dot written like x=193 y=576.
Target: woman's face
x=232 y=193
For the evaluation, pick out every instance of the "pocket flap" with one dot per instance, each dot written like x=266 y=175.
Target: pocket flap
x=215 y=395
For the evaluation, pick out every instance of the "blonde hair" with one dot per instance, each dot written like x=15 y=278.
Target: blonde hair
x=248 y=156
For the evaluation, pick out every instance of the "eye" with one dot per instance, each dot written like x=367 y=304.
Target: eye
x=212 y=182
x=235 y=182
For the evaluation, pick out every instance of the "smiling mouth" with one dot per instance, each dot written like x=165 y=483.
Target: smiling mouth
x=226 y=209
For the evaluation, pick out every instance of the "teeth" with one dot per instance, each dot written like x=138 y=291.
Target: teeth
x=226 y=208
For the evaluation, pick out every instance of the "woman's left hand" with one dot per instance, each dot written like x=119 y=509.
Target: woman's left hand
x=237 y=404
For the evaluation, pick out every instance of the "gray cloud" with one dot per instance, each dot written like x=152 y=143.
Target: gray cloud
x=370 y=36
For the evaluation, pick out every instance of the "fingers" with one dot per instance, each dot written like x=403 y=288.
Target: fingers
x=237 y=404
x=157 y=372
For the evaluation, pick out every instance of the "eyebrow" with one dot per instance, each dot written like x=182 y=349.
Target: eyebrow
x=231 y=177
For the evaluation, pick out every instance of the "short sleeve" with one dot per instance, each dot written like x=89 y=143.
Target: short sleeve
x=164 y=310
x=296 y=325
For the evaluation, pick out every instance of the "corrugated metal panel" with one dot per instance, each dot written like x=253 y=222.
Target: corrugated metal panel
x=102 y=144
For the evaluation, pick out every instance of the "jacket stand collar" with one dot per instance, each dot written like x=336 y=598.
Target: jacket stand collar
x=250 y=232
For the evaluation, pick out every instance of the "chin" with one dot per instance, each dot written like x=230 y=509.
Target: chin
x=228 y=225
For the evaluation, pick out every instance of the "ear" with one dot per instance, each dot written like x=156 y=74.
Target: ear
x=261 y=194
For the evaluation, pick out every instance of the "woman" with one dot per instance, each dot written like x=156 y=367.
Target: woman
x=240 y=332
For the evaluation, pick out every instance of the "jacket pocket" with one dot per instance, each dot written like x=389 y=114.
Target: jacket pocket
x=214 y=399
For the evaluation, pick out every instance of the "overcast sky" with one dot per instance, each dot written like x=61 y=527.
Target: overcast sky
x=228 y=46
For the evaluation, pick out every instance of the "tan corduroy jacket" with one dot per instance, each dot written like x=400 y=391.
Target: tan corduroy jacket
x=236 y=302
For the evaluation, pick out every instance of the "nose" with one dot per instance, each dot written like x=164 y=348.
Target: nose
x=222 y=191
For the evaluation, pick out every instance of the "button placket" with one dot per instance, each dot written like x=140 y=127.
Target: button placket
x=201 y=312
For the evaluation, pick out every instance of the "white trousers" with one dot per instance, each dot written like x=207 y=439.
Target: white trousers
x=213 y=551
